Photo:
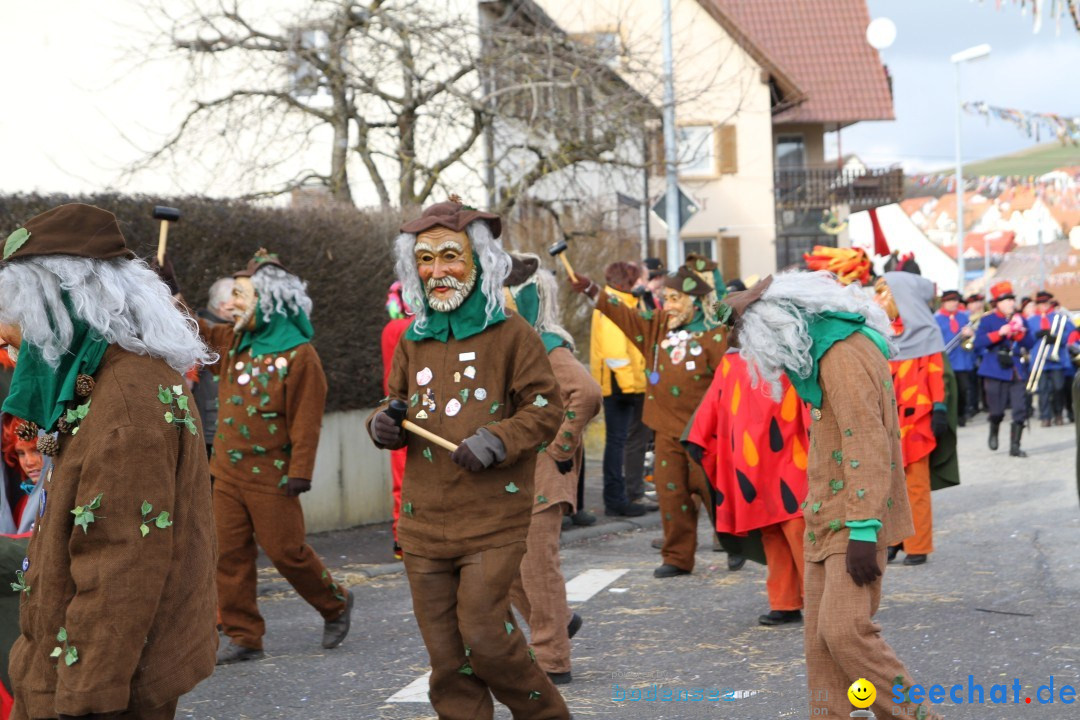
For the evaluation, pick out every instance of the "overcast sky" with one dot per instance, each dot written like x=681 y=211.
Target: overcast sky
x=1024 y=71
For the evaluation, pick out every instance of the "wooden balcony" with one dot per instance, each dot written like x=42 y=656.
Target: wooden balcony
x=815 y=188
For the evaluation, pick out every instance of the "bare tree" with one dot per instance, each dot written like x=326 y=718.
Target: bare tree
x=397 y=98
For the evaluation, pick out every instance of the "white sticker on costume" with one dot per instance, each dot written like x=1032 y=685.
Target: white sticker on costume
x=678 y=354
x=470 y=372
x=457 y=377
x=480 y=394
x=695 y=349
x=421 y=415
x=453 y=407
x=423 y=377
x=690 y=365
x=466 y=357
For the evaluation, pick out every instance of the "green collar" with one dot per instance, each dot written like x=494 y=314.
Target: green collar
x=825 y=330
x=552 y=341
x=468 y=319
x=283 y=332
x=697 y=323
x=40 y=392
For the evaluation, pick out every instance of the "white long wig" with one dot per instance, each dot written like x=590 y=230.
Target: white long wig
x=280 y=292
x=773 y=333
x=494 y=261
x=547 y=320
x=121 y=300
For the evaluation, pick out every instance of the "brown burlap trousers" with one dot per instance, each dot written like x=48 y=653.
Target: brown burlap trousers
x=843 y=643
x=539 y=592
x=244 y=517
x=462 y=606
x=164 y=712
x=677 y=479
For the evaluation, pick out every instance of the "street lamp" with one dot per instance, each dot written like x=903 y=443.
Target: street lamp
x=973 y=53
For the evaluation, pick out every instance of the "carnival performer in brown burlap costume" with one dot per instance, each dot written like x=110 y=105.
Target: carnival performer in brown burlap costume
x=831 y=343
x=478 y=376
x=117 y=587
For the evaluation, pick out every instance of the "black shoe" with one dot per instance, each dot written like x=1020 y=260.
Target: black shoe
x=735 y=562
x=334 y=631
x=230 y=653
x=666 y=571
x=631 y=510
x=893 y=551
x=397 y=551
x=649 y=505
x=915 y=559
x=567 y=522
x=995 y=424
x=583 y=518
x=780 y=617
x=1016 y=432
x=574 y=626
x=561 y=678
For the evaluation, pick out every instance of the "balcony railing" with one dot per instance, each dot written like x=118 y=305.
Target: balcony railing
x=821 y=188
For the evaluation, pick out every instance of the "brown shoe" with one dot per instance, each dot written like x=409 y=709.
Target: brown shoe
x=1044 y=423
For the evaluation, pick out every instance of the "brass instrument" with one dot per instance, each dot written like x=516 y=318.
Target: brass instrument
x=1057 y=327
x=967 y=343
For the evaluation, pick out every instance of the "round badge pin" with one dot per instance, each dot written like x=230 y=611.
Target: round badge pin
x=244 y=379
x=453 y=407
x=654 y=378
x=25 y=564
x=239 y=365
x=480 y=394
x=41 y=505
x=281 y=363
x=423 y=377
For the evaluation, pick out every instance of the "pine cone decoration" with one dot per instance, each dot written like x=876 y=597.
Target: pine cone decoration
x=63 y=425
x=48 y=445
x=27 y=431
x=84 y=385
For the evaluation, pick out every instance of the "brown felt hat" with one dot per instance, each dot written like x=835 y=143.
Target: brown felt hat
x=522 y=267
x=261 y=259
x=452 y=215
x=739 y=301
x=687 y=281
x=74 y=229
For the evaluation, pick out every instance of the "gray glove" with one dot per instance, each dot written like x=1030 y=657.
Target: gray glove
x=480 y=451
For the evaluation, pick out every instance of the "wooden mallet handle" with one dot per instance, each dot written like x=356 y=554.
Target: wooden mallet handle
x=397 y=411
x=566 y=264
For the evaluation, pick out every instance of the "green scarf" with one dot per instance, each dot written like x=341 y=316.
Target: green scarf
x=528 y=303
x=39 y=392
x=283 y=332
x=468 y=319
x=697 y=323
x=825 y=330
x=552 y=341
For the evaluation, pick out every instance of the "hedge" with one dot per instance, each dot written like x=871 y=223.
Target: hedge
x=344 y=255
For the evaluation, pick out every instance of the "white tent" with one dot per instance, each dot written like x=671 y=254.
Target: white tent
x=904 y=236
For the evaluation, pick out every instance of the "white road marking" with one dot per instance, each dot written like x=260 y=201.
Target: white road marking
x=590 y=582
x=578 y=590
x=414 y=692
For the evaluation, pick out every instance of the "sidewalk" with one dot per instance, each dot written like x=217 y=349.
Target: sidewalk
x=368 y=550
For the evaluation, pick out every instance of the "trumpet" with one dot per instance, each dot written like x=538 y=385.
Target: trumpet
x=967 y=343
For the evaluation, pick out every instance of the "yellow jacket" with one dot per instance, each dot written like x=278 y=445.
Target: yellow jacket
x=611 y=351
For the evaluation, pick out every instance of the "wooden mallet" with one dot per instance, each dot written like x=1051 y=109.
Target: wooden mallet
x=397 y=412
x=166 y=215
x=559 y=250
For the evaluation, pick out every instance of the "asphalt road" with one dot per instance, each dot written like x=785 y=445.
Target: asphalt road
x=998 y=600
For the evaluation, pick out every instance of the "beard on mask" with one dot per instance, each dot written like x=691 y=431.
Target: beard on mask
x=461 y=291
x=241 y=322
x=13 y=353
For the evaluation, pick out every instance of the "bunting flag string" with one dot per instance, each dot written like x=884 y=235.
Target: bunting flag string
x=1065 y=128
x=1042 y=10
x=994 y=185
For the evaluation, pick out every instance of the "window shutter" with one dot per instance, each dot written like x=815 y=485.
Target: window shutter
x=729 y=258
x=729 y=156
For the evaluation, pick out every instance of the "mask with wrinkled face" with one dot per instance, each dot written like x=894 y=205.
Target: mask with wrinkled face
x=679 y=308
x=444 y=260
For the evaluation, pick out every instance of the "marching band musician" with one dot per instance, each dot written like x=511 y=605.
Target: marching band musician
x=1004 y=335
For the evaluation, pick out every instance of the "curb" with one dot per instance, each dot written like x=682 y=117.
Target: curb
x=574 y=535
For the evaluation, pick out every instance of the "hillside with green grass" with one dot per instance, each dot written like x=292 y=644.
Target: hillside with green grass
x=1032 y=161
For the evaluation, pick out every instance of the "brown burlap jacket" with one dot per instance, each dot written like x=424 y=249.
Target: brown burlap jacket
x=500 y=380
x=581 y=399
x=856 y=471
x=670 y=403
x=270 y=412
x=138 y=609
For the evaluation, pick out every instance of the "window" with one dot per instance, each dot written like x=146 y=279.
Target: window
x=790 y=152
x=608 y=47
x=697 y=150
x=705 y=247
x=307 y=79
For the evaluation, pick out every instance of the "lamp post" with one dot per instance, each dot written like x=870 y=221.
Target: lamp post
x=674 y=248
x=973 y=53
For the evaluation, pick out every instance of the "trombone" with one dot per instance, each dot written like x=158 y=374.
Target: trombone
x=969 y=343
x=1045 y=354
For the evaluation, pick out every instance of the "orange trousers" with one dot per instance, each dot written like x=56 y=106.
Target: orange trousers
x=918 y=491
x=783 y=544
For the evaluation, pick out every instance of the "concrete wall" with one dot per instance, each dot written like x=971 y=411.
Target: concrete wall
x=352 y=483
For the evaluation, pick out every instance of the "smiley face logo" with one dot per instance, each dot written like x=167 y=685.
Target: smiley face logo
x=862 y=693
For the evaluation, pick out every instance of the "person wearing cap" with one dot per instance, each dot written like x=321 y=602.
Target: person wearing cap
x=117 y=585
x=271 y=395
x=539 y=593
x=1046 y=326
x=478 y=376
x=953 y=321
x=831 y=343
x=619 y=367
x=682 y=347
x=975 y=306
x=1004 y=369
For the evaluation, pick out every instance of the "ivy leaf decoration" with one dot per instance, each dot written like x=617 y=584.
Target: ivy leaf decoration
x=835 y=525
x=540 y=499
x=570 y=414
x=56 y=652
x=169 y=417
x=815 y=507
x=511 y=488
x=84 y=514
x=540 y=401
x=15 y=241
x=494 y=408
x=427 y=455
x=688 y=284
x=147 y=508
x=861 y=493
x=62 y=635
x=20 y=583
x=71 y=656
x=182 y=402
x=144 y=529
x=509 y=628
x=162 y=520
x=836 y=485
x=164 y=394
